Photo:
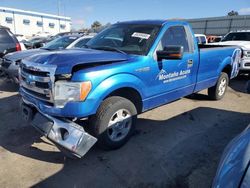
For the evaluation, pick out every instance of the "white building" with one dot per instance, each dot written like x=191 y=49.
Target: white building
x=28 y=23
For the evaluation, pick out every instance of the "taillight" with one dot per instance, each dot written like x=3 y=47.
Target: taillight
x=18 y=47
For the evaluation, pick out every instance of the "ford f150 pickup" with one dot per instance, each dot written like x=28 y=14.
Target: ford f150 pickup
x=77 y=97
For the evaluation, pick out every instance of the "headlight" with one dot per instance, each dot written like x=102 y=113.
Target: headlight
x=70 y=91
x=246 y=53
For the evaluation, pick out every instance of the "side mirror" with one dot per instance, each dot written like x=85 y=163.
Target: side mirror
x=170 y=52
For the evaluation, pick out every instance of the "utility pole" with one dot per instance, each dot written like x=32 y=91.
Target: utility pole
x=58 y=7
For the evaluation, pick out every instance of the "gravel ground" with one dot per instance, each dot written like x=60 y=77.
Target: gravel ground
x=176 y=145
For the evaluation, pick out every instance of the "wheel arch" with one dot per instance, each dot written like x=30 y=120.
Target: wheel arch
x=125 y=85
x=129 y=93
x=227 y=69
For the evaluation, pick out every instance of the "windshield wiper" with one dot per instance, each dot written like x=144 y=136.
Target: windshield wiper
x=108 y=48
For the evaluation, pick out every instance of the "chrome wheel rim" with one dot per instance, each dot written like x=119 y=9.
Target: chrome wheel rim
x=119 y=125
x=222 y=86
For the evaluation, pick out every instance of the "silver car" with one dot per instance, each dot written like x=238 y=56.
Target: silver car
x=10 y=62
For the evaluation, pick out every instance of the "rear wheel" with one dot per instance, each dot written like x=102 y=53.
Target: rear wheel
x=218 y=91
x=114 y=122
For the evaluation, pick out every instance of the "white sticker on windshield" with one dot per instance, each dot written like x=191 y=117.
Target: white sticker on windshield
x=141 y=35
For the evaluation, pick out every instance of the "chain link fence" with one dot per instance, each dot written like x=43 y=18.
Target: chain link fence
x=220 y=25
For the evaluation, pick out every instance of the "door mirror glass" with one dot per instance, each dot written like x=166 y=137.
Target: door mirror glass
x=170 y=52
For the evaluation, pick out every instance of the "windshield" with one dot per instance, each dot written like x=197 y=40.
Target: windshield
x=60 y=43
x=128 y=38
x=242 y=36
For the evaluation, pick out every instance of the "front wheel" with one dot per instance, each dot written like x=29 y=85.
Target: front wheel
x=114 y=122
x=218 y=91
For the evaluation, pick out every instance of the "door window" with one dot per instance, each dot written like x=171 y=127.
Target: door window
x=175 y=36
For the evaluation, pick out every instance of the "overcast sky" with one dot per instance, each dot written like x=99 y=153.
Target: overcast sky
x=85 y=12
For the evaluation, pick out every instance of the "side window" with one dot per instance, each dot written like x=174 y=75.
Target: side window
x=175 y=36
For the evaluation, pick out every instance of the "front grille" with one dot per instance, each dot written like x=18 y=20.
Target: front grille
x=35 y=73
x=247 y=64
x=248 y=54
x=42 y=85
x=37 y=80
x=6 y=63
x=39 y=95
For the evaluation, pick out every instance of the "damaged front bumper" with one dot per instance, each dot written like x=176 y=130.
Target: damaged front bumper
x=62 y=132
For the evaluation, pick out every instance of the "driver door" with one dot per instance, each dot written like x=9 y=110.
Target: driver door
x=175 y=78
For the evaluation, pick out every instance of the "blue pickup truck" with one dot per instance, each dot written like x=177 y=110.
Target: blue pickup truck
x=78 y=97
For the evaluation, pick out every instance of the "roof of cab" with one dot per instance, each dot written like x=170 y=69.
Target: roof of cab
x=152 y=22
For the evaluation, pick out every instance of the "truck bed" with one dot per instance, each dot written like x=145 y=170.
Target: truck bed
x=211 y=58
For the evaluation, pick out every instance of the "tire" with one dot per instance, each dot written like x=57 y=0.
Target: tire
x=218 y=91
x=114 y=122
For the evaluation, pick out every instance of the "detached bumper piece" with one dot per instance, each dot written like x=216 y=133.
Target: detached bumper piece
x=64 y=133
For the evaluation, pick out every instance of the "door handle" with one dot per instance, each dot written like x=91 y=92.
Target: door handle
x=190 y=62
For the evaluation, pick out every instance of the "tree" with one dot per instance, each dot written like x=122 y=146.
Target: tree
x=233 y=13
x=85 y=30
x=96 y=26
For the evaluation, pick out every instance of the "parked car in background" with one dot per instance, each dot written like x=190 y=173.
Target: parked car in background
x=43 y=34
x=21 y=40
x=8 y=42
x=64 y=34
x=80 y=42
x=126 y=69
x=242 y=39
x=201 y=39
x=20 y=37
x=36 y=42
x=12 y=60
x=213 y=38
x=234 y=167
x=69 y=33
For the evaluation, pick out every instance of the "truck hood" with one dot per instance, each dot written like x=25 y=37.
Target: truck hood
x=65 y=60
x=23 y=54
x=245 y=45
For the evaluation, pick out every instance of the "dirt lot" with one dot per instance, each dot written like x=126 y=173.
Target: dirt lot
x=176 y=145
